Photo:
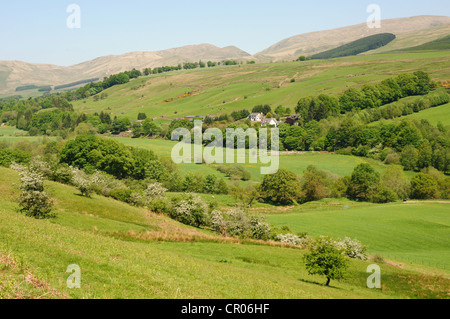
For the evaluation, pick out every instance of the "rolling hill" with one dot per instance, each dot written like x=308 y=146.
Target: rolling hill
x=409 y=32
x=128 y=252
x=369 y=43
x=316 y=42
x=439 y=44
x=16 y=73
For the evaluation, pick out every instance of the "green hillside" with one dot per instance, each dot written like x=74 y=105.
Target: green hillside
x=225 y=89
x=404 y=232
x=356 y=47
x=126 y=252
x=436 y=45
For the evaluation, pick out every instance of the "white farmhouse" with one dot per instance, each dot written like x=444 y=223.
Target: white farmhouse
x=256 y=117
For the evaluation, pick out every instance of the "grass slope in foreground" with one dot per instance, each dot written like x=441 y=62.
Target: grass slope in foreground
x=102 y=237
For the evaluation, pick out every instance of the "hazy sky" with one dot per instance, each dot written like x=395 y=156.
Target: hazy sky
x=36 y=31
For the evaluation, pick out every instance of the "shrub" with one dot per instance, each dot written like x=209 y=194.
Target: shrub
x=259 y=229
x=154 y=192
x=352 y=248
x=159 y=206
x=289 y=239
x=9 y=156
x=33 y=201
x=190 y=210
x=384 y=195
x=231 y=223
x=122 y=194
x=62 y=174
x=82 y=181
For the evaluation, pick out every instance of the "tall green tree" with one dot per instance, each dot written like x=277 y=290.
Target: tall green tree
x=364 y=183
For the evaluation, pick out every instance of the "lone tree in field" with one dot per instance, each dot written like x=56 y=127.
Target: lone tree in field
x=33 y=201
x=325 y=258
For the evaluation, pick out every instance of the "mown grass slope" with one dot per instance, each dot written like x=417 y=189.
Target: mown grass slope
x=85 y=233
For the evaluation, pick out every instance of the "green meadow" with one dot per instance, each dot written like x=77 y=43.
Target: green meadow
x=128 y=252
x=224 y=89
x=341 y=165
x=415 y=233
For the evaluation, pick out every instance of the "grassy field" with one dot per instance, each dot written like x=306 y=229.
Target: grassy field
x=223 y=89
x=404 y=232
x=433 y=115
x=340 y=165
x=11 y=135
x=127 y=252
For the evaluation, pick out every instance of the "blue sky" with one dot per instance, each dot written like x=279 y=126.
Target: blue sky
x=36 y=31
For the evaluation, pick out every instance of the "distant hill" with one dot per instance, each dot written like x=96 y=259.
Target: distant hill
x=356 y=47
x=439 y=44
x=410 y=32
x=320 y=41
x=15 y=74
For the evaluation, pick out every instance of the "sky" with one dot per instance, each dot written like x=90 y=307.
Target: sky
x=36 y=31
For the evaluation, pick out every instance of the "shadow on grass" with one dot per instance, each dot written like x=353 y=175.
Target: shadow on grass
x=319 y=284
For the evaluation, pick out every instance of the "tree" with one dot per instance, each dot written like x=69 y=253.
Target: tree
x=282 y=188
x=394 y=178
x=209 y=184
x=423 y=186
x=363 y=183
x=409 y=158
x=313 y=185
x=326 y=259
x=221 y=187
x=141 y=116
x=120 y=125
x=352 y=99
x=33 y=201
x=150 y=128
x=425 y=155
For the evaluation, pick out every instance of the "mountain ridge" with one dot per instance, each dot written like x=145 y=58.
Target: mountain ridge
x=18 y=73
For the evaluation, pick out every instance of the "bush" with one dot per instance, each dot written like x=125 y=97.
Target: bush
x=236 y=223
x=259 y=229
x=384 y=195
x=290 y=239
x=82 y=181
x=352 y=248
x=122 y=194
x=9 y=156
x=231 y=223
x=154 y=192
x=190 y=210
x=33 y=201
